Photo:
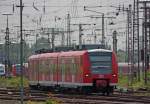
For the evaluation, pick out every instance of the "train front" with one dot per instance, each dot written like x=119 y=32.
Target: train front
x=104 y=70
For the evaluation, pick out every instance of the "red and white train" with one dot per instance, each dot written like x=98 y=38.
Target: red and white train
x=93 y=70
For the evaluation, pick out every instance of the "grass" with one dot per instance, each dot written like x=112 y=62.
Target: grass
x=15 y=82
x=49 y=101
x=123 y=83
x=12 y=82
x=33 y=102
x=53 y=101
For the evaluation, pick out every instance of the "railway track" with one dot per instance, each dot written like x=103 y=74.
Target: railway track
x=113 y=99
x=14 y=94
x=36 y=95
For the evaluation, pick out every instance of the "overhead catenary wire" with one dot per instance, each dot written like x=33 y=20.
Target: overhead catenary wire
x=44 y=20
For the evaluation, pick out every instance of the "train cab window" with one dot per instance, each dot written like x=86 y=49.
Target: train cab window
x=101 y=62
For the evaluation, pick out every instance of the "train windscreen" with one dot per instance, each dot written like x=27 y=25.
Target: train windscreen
x=101 y=62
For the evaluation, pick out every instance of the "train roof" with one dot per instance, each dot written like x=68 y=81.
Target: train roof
x=43 y=55
x=33 y=57
x=72 y=48
x=78 y=53
x=73 y=53
x=99 y=50
x=55 y=54
x=66 y=53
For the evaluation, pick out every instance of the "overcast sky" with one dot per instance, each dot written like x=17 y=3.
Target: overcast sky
x=34 y=10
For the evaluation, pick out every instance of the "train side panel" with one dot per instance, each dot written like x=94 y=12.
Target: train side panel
x=32 y=72
x=114 y=77
x=87 y=75
x=71 y=70
x=48 y=69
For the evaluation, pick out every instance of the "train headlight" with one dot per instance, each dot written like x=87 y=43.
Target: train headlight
x=114 y=75
x=87 y=75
